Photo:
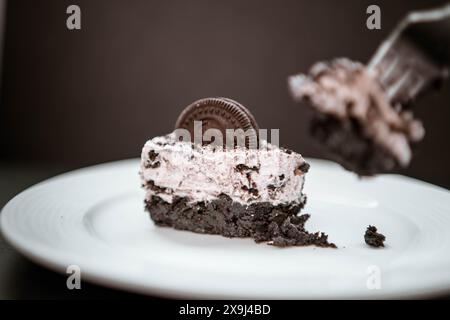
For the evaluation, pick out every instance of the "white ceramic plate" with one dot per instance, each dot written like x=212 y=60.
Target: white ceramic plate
x=94 y=218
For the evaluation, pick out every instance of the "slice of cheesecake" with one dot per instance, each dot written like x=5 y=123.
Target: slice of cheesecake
x=354 y=118
x=235 y=193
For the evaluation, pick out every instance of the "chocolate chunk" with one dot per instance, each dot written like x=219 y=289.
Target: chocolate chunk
x=221 y=114
x=151 y=163
x=252 y=191
x=152 y=155
x=373 y=238
x=242 y=167
x=155 y=165
x=152 y=186
x=304 y=167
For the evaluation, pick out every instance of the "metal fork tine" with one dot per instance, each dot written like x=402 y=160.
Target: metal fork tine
x=396 y=87
x=385 y=77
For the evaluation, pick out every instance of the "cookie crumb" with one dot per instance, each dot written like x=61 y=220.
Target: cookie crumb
x=373 y=238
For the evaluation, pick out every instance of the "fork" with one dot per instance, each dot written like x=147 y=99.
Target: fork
x=415 y=56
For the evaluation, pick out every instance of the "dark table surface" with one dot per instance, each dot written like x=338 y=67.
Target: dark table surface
x=21 y=278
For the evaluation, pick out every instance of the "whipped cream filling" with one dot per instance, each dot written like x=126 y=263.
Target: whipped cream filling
x=347 y=90
x=172 y=168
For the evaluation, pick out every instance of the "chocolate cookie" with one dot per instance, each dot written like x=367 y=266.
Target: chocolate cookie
x=221 y=114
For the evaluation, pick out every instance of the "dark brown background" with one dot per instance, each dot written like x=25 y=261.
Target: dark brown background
x=74 y=98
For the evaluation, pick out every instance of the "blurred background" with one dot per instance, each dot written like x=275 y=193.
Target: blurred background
x=76 y=98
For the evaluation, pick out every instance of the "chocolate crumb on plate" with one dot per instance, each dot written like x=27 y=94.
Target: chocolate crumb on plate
x=373 y=238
